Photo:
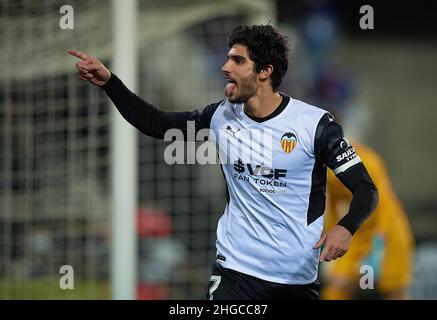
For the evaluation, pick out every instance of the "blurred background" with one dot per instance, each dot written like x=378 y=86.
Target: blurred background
x=56 y=143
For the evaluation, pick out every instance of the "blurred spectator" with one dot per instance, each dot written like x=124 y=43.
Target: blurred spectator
x=334 y=87
x=159 y=253
x=384 y=242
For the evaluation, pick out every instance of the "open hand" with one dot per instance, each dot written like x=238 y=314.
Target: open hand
x=336 y=242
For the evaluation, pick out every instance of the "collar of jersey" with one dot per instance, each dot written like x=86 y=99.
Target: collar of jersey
x=276 y=112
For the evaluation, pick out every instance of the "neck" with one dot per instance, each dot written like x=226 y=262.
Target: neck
x=262 y=104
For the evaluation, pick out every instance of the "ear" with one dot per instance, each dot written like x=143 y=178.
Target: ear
x=266 y=72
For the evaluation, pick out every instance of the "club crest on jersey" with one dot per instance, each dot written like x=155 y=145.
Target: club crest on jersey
x=288 y=141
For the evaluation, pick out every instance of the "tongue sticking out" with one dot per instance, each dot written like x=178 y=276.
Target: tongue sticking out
x=230 y=87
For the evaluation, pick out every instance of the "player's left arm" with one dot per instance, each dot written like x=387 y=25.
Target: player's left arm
x=341 y=157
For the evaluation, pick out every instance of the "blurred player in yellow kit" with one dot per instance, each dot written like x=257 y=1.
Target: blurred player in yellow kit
x=384 y=241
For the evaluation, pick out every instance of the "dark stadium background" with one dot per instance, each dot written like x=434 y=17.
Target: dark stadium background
x=55 y=137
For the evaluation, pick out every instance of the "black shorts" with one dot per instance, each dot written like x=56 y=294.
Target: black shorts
x=227 y=284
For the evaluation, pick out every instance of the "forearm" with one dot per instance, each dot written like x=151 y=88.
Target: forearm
x=364 y=197
x=139 y=113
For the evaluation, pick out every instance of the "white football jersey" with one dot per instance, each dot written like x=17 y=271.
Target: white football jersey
x=276 y=197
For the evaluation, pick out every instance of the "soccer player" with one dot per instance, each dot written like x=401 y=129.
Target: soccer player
x=270 y=234
x=385 y=241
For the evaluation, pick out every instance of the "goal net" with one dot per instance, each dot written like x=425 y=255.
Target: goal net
x=55 y=145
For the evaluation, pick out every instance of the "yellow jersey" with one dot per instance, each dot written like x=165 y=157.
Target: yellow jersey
x=389 y=221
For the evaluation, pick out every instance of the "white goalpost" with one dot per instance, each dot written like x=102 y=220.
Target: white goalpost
x=124 y=157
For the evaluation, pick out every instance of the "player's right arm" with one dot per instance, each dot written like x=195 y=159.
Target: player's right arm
x=139 y=113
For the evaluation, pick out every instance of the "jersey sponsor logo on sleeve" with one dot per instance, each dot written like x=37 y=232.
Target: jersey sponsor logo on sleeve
x=347 y=158
x=349 y=154
x=288 y=141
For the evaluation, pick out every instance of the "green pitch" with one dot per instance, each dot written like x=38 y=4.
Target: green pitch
x=48 y=289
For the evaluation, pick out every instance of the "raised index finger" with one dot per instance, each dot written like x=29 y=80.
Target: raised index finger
x=78 y=54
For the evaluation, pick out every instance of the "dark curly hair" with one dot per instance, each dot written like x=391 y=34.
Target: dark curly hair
x=266 y=46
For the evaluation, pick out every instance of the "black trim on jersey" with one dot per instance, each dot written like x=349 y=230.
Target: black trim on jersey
x=333 y=150
x=228 y=197
x=317 y=200
x=278 y=110
x=149 y=120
